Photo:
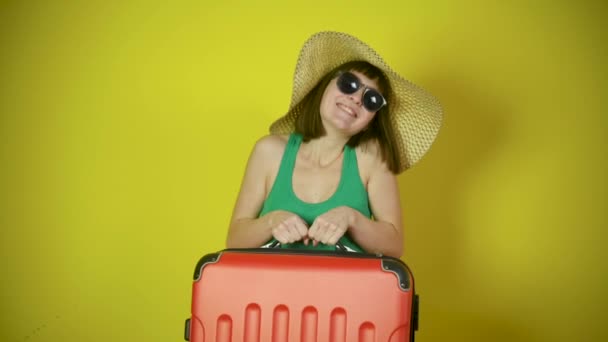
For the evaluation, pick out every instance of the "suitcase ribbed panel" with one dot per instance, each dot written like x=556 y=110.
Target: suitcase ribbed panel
x=253 y=318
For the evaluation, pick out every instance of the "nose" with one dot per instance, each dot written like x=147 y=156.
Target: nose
x=357 y=96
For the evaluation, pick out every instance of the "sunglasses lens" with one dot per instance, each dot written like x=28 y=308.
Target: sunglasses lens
x=372 y=100
x=348 y=83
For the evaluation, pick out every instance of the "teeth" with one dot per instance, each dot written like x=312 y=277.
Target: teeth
x=346 y=109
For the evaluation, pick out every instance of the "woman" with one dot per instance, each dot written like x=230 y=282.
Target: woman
x=327 y=172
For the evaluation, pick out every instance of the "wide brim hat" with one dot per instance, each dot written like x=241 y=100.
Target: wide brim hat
x=415 y=114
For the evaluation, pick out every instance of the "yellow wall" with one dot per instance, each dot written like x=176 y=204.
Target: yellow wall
x=125 y=128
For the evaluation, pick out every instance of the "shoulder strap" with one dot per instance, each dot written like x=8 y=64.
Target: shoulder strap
x=283 y=180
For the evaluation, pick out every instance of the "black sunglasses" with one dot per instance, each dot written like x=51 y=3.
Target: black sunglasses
x=349 y=83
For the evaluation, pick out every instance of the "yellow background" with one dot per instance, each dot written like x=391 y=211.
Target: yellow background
x=125 y=128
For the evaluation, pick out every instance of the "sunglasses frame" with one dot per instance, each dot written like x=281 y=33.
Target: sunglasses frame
x=360 y=85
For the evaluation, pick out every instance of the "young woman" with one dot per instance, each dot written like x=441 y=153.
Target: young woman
x=327 y=172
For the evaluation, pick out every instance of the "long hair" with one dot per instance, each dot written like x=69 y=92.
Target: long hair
x=310 y=126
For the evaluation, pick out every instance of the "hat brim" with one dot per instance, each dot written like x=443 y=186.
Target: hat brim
x=416 y=115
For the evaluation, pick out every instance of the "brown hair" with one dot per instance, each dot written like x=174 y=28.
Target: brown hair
x=309 y=124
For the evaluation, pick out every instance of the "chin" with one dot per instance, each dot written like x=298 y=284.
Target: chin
x=347 y=131
x=342 y=126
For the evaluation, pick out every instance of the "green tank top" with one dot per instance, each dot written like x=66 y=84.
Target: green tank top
x=350 y=192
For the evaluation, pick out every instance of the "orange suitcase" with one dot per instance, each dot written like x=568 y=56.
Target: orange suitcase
x=278 y=295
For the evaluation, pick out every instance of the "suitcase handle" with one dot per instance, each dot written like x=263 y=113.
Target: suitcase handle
x=339 y=245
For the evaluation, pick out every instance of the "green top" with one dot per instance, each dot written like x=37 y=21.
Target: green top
x=350 y=192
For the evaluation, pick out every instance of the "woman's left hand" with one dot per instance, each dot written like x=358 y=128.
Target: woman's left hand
x=329 y=227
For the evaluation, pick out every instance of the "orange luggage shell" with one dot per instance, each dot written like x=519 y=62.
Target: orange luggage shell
x=279 y=295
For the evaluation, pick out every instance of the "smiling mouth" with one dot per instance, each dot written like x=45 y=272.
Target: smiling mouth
x=348 y=110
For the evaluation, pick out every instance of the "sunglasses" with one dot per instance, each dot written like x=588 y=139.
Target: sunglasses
x=349 y=83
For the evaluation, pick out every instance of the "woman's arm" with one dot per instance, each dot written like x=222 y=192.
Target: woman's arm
x=382 y=235
x=246 y=230
x=385 y=233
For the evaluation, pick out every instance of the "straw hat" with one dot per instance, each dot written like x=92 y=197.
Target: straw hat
x=415 y=114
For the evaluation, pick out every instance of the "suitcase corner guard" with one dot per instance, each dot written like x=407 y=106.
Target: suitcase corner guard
x=204 y=261
x=400 y=270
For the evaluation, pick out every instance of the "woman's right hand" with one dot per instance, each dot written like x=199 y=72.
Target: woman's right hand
x=288 y=227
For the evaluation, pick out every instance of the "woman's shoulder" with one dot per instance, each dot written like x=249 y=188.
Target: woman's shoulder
x=369 y=157
x=369 y=151
x=271 y=145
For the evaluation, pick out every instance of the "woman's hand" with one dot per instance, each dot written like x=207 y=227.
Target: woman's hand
x=329 y=227
x=287 y=227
